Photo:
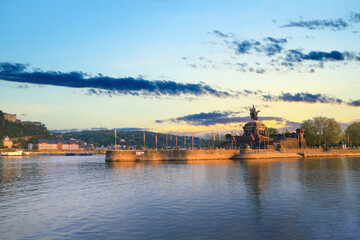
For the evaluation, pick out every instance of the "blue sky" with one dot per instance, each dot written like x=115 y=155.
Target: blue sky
x=172 y=65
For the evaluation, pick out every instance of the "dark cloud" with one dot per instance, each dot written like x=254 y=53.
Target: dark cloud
x=321 y=56
x=245 y=46
x=260 y=71
x=303 y=97
x=276 y=40
x=100 y=84
x=10 y=68
x=215 y=117
x=274 y=45
x=220 y=34
x=335 y=25
x=354 y=103
x=297 y=56
x=270 y=46
x=355 y=17
x=272 y=49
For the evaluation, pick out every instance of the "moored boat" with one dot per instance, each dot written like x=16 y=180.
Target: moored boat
x=16 y=153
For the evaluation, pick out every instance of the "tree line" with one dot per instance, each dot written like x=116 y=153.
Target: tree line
x=326 y=132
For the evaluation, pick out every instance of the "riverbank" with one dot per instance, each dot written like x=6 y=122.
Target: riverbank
x=218 y=154
x=11 y=152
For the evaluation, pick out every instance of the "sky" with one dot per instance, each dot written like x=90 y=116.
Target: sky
x=179 y=66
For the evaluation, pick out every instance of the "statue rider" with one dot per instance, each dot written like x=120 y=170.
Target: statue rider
x=254 y=113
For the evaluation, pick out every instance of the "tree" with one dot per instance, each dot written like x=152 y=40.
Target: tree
x=322 y=131
x=209 y=140
x=273 y=131
x=353 y=131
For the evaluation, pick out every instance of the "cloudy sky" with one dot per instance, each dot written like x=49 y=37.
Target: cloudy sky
x=181 y=66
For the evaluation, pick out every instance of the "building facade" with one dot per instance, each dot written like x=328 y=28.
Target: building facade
x=32 y=123
x=7 y=142
x=44 y=144
x=10 y=117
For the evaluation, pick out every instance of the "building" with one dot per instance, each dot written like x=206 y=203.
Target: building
x=32 y=123
x=7 y=142
x=70 y=146
x=10 y=117
x=44 y=144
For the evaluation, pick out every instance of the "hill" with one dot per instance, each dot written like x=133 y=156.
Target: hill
x=130 y=138
x=20 y=130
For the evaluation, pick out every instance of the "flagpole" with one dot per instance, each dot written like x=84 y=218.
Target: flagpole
x=192 y=138
x=213 y=140
x=170 y=138
x=115 y=140
x=156 y=141
x=144 y=140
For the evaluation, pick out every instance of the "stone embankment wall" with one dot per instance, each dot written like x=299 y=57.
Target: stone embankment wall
x=168 y=155
x=184 y=155
x=296 y=153
x=336 y=152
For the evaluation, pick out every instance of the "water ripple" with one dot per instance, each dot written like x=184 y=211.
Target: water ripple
x=86 y=198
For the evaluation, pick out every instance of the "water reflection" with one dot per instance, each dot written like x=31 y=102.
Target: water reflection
x=82 y=198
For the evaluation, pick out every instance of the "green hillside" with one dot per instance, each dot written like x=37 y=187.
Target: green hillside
x=106 y=138
x=15 y=130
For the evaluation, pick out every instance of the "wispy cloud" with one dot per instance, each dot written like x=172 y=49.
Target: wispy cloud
x=101 y=84
x=335 y=25
x=320 y=24
x=219 y=34
x=225 y=117
x=303 y=97
x=207 y=119
x=306 y=97
x=274 y=56
x=270 y=46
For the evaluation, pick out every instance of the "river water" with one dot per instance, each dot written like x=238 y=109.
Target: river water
x=86 y=198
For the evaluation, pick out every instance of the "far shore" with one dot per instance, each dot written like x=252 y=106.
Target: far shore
x=52 y=152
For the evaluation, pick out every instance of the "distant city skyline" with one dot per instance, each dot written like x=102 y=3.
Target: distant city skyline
x=180 y=66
